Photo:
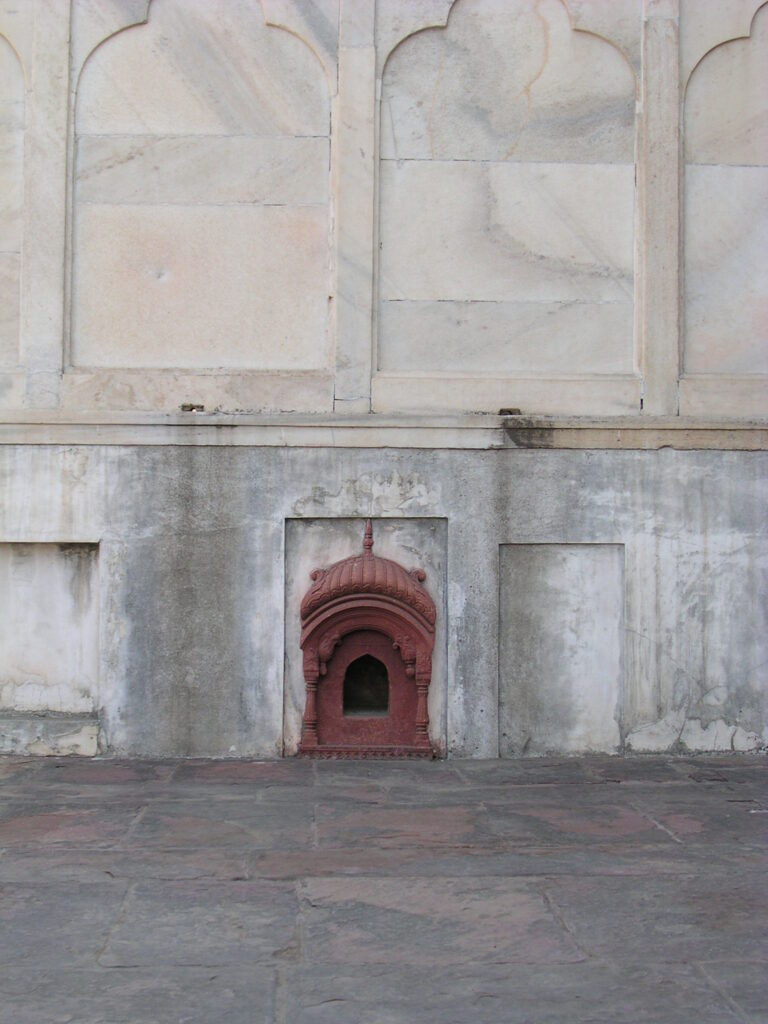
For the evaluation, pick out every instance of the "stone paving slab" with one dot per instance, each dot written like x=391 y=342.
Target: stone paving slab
x=598 y=993
x=187 y=995
x=500 y=892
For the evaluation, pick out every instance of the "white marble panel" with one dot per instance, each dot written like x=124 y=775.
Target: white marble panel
x=166 y=391
x=544 y=232
x=11 y=188
x=209 y=67
x=196 y=287
x=9 y=280
x=398 y=19
x=507 y=337
x=314 y=21
x=508 y=80
x=11 y=148
x=561 y=657
x=9 y=309
x=726 y=104
x=49 y=627
x=196 y=169
x=726 y=287
x=705 y=25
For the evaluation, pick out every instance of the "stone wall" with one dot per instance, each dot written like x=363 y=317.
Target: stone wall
x=320 y=205
x=587 y=600
x=489 y=271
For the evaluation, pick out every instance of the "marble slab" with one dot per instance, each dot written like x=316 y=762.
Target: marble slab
x=507 y=337
x=706 y=26
x=215 y=286
x=9 y=309
x=718 y=128
x=506 y=81
x=494 y=231
x=278 y=171
x=726 y=291
x=11 y=148
x=210 y=67
x=11 y=188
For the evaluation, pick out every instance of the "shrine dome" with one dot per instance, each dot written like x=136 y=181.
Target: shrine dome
x=367 y=573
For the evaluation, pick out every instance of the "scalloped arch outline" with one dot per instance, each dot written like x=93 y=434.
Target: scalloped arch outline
x=146 y=19
x=439 y=27
x=725 y=42
x=4 y=39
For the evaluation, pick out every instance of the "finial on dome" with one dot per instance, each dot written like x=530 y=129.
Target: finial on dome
x=368 y=537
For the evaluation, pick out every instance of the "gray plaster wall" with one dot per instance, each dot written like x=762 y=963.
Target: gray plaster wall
x=193 y=643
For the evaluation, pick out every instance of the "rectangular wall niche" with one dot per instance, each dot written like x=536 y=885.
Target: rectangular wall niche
x=312 y=543
x=49 y=621
x=561 y=660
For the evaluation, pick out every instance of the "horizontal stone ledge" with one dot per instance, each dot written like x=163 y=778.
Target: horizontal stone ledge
x=473 y=431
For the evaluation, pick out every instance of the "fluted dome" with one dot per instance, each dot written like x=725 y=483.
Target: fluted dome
x=368 y=574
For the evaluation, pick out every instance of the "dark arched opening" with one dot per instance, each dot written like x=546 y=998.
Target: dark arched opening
x=366 y=688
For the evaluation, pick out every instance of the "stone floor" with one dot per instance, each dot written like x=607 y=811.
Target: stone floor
x=460 y=892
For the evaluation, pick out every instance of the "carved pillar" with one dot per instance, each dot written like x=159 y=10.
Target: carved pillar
x=309 y=730
x=422 y=712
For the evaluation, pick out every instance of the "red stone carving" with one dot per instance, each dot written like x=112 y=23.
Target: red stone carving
x=367 y=605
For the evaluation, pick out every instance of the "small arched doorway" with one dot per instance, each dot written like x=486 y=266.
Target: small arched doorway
x=365 y=691
x=367 y=636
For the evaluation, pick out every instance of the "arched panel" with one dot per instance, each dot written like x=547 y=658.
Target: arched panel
x=11 y=200
x=507 y=199
x=726 y=199
x=201 y=195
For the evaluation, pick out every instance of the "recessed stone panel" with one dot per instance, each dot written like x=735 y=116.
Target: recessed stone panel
x=537 y=232
x=508 y=81
x=201 y=226
x=726 y=199
x=194 y=169
x=200 y=286
x=203 y=67
x=313 y=543
x=561 y=659
x=548 y=337
x=507 y=177
x=49 y=615
x=9 y=308
x=726 y=309
x=726 y=102
x=11 y=200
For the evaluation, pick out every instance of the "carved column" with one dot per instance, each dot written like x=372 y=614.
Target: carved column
x=422 y=712
x=309 y=728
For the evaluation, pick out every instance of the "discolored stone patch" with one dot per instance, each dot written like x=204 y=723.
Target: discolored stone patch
x=432 y=921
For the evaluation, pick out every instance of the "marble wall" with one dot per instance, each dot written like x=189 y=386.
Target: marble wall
x=507 y=198
x=201 y=206
x=11 y=201
x=726 y=198
x=489 y=271
x=383 y=206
